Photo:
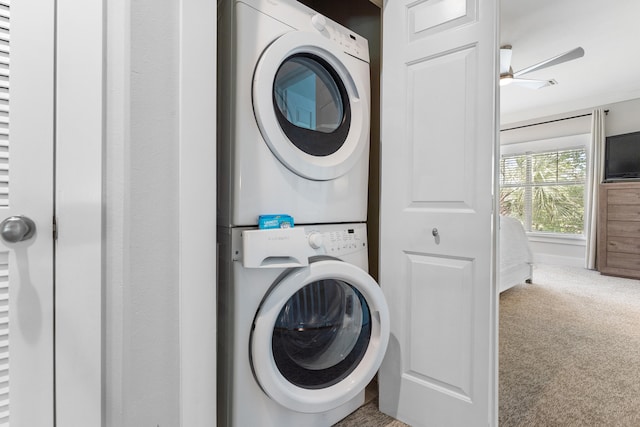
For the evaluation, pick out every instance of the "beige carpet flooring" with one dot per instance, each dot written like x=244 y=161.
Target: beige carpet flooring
x=570 y=350
x=569 y=353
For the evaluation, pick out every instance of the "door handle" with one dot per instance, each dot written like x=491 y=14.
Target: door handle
x=436 y=235
x=17 y=229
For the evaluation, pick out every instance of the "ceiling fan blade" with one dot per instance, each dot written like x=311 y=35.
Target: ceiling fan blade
x=505 y=58
x=563 y=57
x=533 y=84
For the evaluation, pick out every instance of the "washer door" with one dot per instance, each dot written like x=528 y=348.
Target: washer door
x=319 y=336
x=312 y=113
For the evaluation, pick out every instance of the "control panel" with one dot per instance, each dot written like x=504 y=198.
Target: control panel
x=338 y=242
x=350 y=42
x=293 y=247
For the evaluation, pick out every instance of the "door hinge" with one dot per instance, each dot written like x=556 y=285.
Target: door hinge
x=55 y=229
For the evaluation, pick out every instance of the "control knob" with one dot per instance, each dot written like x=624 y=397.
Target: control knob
x=319 y=22
x=315 y=239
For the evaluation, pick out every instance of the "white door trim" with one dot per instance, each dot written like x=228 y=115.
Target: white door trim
x=197 y=174
x=79 y=279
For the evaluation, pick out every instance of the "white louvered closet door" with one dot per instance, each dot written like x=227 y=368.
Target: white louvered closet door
x=26 y=189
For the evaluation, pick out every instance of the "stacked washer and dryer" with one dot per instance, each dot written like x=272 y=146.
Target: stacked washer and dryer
x=302 y=326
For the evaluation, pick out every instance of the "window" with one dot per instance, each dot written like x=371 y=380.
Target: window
x=545 y=190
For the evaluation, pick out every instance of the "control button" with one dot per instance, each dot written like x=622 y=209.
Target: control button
x=319 y=22
x=315 y=240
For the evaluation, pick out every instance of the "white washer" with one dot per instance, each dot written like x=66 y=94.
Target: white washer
x=294 y=115
x=302 y=327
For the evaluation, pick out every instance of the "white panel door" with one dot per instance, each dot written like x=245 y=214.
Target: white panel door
x=437 y=262
x=26 y=188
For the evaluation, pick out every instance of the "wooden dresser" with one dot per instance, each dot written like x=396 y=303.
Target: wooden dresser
x=618 y=252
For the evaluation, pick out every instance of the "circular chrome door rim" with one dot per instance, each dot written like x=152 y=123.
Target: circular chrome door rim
x=318 y=400
x=320 y=168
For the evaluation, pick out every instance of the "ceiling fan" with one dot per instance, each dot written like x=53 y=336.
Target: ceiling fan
x=507 y=76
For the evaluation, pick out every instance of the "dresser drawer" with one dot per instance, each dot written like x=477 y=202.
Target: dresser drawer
x=623 y=212
x=623 y=196
x=629 y=245
x=623 y=229
x=624 y=261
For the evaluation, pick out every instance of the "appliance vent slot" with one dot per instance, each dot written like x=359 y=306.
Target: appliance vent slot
x=4 y=202
x=4 y=102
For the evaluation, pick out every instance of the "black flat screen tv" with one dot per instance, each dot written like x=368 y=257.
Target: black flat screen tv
x=622 y=157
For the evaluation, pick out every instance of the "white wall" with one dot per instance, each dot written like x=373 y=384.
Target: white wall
x=159 y=208
x=623 y=117
x=557 y=251
x=150 y=296
x=142 y=313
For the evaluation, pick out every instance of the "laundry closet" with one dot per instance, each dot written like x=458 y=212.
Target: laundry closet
x=293 y=178
x=430 y=225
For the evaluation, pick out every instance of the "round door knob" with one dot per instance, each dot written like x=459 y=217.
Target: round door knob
x=17 y=229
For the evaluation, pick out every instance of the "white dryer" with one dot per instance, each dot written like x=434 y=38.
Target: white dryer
x=302 y=327
x=294 y=115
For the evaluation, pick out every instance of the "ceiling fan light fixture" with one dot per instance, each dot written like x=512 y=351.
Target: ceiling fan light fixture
x=508 y=76
x=506 y=79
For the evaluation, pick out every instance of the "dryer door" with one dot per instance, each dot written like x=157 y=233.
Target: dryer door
x=312 y=105
x=319 y=336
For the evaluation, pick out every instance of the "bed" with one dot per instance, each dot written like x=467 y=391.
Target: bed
x=516 y=259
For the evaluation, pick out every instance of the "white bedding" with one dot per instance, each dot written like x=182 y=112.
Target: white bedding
x=515 y=255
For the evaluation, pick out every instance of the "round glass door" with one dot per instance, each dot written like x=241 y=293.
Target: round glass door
x=319 y=336
x=311 y=103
